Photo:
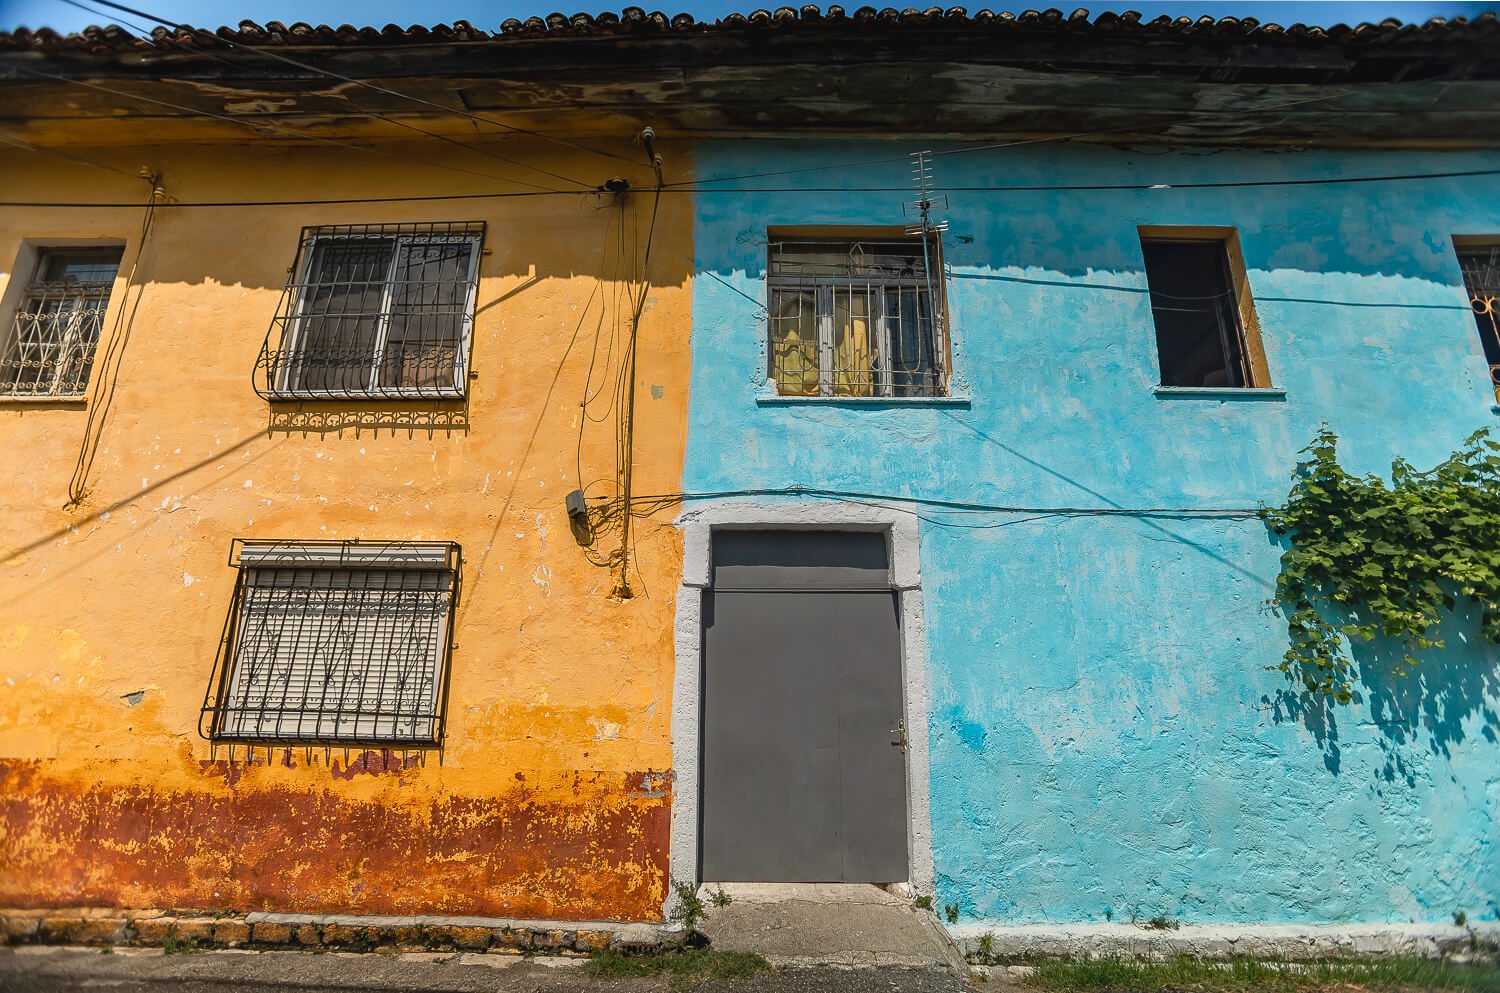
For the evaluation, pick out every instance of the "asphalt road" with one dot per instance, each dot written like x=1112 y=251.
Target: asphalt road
x=68 y=970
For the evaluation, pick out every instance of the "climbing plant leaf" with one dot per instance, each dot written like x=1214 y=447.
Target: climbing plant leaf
x=1370 y=559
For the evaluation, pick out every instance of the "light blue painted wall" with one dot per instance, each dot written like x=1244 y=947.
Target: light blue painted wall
x=1104 y=738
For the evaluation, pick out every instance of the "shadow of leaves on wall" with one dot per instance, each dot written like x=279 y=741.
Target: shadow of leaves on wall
x=1431 y=707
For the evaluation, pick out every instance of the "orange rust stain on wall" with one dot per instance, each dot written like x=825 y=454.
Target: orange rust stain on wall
x=586 y=846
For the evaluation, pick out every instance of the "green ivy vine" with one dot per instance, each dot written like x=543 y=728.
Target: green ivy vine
x=1369 y=559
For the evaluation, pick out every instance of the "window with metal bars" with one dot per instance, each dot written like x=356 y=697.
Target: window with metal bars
x=382 y=311
x=335 y=643
x=857 y=318
x=1481 y=268
x=1200 y=339
x=50 y=349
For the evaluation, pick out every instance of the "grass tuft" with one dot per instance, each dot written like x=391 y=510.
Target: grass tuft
x=1183 y=974
x=682 y=966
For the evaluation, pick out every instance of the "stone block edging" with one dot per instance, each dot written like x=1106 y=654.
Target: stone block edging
x=330 y=932
x=1012 y=944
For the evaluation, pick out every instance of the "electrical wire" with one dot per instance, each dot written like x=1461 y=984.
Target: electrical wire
x=27 y=146
x=656 y=502
x=263 y=126
x=822 y=190
x=366 y=113
x=106 y=369
x=360 y=82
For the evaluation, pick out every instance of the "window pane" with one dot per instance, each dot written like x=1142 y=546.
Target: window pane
x=337 y=654
x=855 y=351
x=340 y=312
x=1481 y=270
x=429 y=304
x=55 y=332
x=913 y=362
x=794 y=342
x=1198 y=335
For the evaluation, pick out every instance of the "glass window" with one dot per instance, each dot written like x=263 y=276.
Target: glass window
x=856 y=318
x=55 y=333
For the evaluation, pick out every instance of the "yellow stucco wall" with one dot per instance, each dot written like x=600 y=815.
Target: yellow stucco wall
x=552 y=794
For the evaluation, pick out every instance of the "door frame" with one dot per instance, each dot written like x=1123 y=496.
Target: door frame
x=900 y=527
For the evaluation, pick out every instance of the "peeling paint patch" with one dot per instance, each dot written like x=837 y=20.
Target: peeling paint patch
x=561 y=845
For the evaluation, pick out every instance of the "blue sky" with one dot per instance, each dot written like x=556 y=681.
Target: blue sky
x=211 y=13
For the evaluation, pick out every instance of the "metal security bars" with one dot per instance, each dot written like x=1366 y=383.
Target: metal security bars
x=383 y=311
x=50 y=349
x=857 y=318
x=1481 y=268
x=335 y=643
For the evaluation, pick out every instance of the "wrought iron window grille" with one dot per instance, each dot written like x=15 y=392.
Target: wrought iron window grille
x=1481 y=269
x=335 y=644
x=375 y=311
x=857 y=318
x=55 y=332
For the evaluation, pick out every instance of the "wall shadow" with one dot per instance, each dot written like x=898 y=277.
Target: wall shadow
x=1430 y=707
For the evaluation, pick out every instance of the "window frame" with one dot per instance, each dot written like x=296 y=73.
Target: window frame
x=33 y=258
x=279 y=385
x=883 y=383
x=1254 y=367
x=353 y=557
x=1465 y=246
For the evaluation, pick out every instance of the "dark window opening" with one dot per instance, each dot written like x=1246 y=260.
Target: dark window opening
x=1199 y=338
x=380 y=311
x=1481 y=267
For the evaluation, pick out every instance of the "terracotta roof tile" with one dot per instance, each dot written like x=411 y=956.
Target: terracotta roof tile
x=636 y=20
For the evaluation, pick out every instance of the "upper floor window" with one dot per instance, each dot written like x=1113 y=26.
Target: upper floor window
x=1202 y=340
x=1481 y=267
x=855 y=317
x=50 y=347
x=336 y=643
x=381 y=311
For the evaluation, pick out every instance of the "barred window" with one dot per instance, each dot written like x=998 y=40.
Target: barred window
x=381 y=311
x=335 y=643
x=1481 y=268
x=857 y=318
x=50 y=349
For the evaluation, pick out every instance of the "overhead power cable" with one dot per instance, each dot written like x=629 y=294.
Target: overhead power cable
x=656 y=501
x=27 y=146
x=479 y=118
x=264 y=126
x=1078 y=187
x=364 y=113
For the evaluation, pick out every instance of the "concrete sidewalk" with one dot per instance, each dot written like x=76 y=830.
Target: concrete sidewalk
x=850 y=925
x=54 y=969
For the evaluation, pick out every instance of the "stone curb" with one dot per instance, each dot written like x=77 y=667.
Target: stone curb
x=345 y=933
x=1014 y=944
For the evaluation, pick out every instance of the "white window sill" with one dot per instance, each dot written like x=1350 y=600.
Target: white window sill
x=1221 y=392
x=777 y=400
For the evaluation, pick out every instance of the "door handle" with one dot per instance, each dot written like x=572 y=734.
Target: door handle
x=900 y=731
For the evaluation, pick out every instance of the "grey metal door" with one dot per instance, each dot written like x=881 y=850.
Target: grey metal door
x=804 y=772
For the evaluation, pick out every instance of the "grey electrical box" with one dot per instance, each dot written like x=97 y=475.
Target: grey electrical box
x=576 y=509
